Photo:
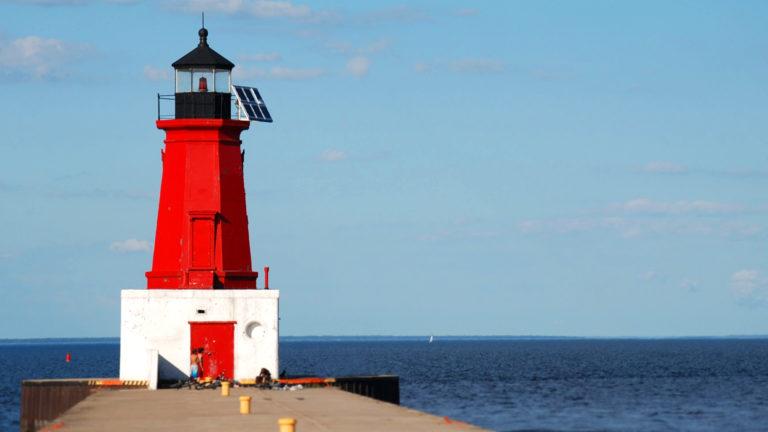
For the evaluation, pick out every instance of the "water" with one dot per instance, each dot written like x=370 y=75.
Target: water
x=506 y=385
x=45 y=359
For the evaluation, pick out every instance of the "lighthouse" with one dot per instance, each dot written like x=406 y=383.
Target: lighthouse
x=201 y=292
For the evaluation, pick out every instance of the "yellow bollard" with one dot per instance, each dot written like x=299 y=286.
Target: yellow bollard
x=225 y=388
x=287 y=424
x=245 y=404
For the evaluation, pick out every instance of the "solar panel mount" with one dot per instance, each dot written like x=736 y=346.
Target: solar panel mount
x=250 y=105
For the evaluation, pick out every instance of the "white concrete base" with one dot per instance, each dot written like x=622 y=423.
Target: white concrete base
x=159 y=320
x=153 y=358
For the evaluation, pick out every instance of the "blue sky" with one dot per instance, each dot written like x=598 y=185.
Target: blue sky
x=435 y=167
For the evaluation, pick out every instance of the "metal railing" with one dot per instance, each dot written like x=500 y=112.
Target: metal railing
x=381 y=387
x=166 y=107
x=45 y=400
x=161 y=103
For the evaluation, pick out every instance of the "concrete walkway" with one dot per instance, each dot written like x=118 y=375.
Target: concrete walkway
x=316 y=409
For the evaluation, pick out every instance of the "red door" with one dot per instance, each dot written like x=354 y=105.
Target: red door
x=217 y=339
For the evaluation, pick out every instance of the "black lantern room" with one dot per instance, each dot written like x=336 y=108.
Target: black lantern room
x=203 y=83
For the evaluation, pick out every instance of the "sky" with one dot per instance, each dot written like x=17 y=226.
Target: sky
x=591 y=168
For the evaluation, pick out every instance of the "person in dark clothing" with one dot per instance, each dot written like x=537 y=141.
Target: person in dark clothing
x=264 y=379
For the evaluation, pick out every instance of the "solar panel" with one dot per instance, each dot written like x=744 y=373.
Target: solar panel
x=250 y=104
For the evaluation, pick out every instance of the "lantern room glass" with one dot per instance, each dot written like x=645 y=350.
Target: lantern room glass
x=222 y=80
x=217 y=80
x=183 y=81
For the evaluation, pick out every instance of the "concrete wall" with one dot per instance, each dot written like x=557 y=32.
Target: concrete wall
x=159 y=320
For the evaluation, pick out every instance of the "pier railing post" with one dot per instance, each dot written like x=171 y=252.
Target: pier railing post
x=287 y=424
x=245 y=404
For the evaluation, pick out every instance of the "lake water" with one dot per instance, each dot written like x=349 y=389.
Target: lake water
x=501 y=384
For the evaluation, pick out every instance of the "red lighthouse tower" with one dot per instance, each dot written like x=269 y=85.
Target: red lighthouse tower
x=202 y=240
x=201 y=295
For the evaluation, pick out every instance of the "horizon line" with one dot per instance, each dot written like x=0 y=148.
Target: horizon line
x=426 y=336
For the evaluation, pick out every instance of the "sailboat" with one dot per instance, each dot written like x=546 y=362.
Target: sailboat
x=431 y=338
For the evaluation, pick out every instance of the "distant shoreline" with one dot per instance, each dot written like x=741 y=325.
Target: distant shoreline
x=437 y=338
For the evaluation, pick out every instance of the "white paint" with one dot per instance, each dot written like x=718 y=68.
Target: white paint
x=152 y=362
x=159 y=320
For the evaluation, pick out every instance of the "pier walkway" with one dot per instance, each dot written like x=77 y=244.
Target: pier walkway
x=315 y=409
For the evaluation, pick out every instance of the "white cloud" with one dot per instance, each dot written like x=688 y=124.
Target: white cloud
x=750 y=287
x=359 y=61
x=661 y=167
x=333 y=155
x=421 y=67
x=130 y=245
x=38 y=58
x=648 y=206
x=262 y=57
x=254 y=8
x=277 y=72
x=156 y=74
x=358 y=66
x=744 y=282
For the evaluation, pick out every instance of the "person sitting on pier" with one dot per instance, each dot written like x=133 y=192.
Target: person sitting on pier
x=264 y=379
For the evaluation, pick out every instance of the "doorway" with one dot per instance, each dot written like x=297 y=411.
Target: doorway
x=217 y=339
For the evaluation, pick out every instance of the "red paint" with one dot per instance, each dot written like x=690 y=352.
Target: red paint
x=52 y=427
x=305 y=381
x=218 y=342
x=266 y=277
x=201 y=240
x=68 y=357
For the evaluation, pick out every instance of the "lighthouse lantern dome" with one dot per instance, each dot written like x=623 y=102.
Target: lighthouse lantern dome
x=203 y=82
